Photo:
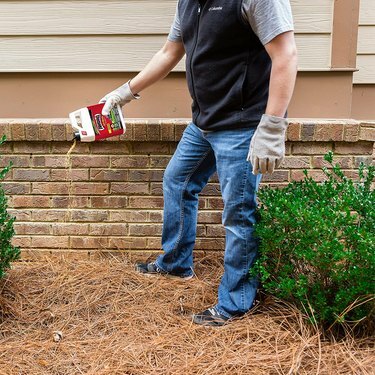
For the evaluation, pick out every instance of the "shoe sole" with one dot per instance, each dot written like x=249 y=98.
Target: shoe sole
x=168 y=276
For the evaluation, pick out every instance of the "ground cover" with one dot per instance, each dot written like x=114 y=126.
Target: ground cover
x=64 y=316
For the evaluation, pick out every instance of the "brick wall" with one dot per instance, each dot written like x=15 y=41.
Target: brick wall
x=115 y=186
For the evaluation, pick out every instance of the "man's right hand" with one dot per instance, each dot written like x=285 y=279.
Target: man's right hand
x=121 y=96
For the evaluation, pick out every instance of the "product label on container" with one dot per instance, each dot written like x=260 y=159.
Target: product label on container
x=105 y=126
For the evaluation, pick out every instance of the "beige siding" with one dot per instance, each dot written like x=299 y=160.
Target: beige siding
x=84 y=36
x=366 y=44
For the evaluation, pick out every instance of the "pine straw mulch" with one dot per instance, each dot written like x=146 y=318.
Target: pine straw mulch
x=114 y=321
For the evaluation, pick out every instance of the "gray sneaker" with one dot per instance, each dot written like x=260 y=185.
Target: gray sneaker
x=151 y=269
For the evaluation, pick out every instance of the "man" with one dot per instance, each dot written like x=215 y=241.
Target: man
x=241 y=64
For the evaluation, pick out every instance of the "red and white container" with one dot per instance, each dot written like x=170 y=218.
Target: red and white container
x=90 y=125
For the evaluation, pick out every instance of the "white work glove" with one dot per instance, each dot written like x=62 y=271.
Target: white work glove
x=267 y=147
x=121 y=95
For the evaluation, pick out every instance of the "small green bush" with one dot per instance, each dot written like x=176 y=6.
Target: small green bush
x=317 y=245
x=8 y=252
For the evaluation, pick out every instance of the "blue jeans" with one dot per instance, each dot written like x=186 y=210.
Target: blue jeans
x=198 y=155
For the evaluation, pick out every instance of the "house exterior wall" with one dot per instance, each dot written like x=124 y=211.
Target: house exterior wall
x=364 y=79
x=63 y=55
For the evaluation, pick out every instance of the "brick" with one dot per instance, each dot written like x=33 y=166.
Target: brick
x=50 y=215
x=288 y=148
x=294 y=132
x=16 y=187
x=367 y=160
x=329 y=132
x=297 y=175
x=351 y=132
x=52 y=188
x=311 y=148
x=89 y=242
x=209 y=217
x=276 y=185
x=7 y=148
x=307 y=131
x=132 y=188
x=31 y=174
x=140 y=132
x=155 y=216
x=51 y=161
x=69 y=175
x=109 y=202
x=90 y=161
x=31 y=147
x=22 y=201
x=123 y=216
x=128 y=136
x=358 y=148
x=20 y=215
x=18 y=132
x=215 y=231
x=215 y=203
x=344 y=162
x=89 y=189
x=110 y=148
x=70 y=202
x=88 y=215
x=156 y=175
x=145 y=202
x=45 y=132
x=295 y=162
x=159 y=161
x=108 y=229
x=5 y=129
x=147 y=148
x=211 y=189
x=354 y=175
x=18 y=161
x=32 y=132
x=210 y=244
x=154 y=243
x=139 y=175
x=58 y=132
x=50 y=242
x=367 y=133
x=127 y=243
x=145 y=230
x=129 y=161
x=156 y=188
x=214 y=178
x=63 y=148
x=178 y=131
x=68 y=229
x=32 y=228
x=153 y=132
x=108 y=174
x=21 y=241
x=166 y=132
x=276 y=176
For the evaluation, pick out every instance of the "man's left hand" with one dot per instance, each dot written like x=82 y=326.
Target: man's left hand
x=267 y=146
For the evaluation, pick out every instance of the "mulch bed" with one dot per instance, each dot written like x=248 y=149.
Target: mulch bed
x=83 y=317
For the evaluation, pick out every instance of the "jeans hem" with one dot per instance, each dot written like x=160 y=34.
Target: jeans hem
x=221 y=312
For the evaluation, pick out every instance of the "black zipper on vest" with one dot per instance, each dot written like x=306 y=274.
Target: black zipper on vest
x=191 y=61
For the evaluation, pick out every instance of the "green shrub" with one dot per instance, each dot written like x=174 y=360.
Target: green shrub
x=317 y=245
x=8 y=252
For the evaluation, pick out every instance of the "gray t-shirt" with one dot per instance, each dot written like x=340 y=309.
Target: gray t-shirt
x=267 y=18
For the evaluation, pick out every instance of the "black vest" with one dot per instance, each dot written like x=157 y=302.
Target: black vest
x=227 y=67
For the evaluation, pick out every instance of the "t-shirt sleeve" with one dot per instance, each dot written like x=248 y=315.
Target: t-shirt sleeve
x=269 y=18
x=175 y=31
